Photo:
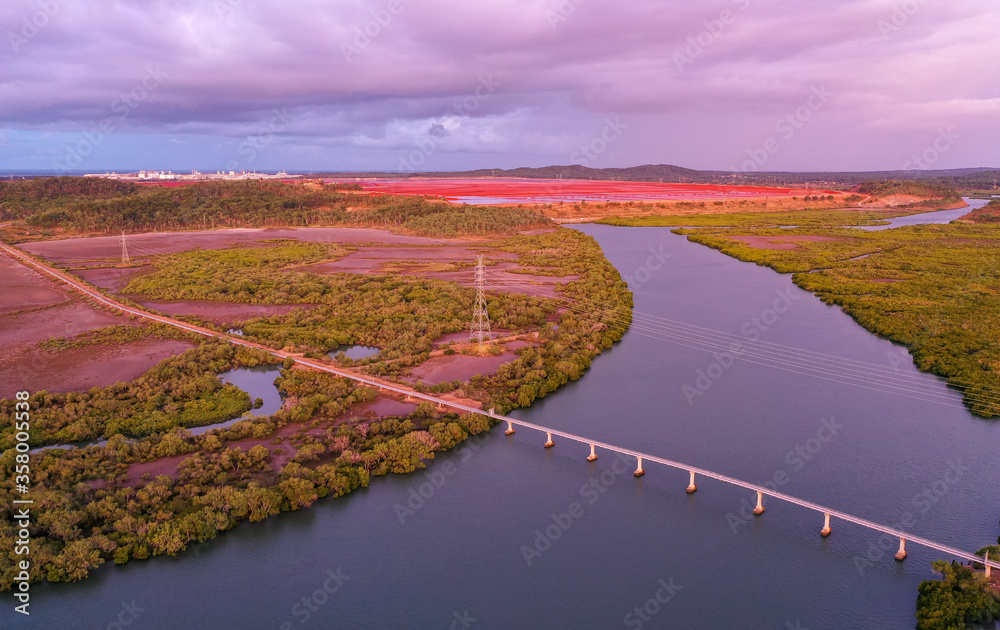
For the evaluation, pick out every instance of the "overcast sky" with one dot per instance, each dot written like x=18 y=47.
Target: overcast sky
x=444 y=84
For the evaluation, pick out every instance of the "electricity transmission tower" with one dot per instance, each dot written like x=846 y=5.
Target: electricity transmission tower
x=480 y=330
x=125 y=258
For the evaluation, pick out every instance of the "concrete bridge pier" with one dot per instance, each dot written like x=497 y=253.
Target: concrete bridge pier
x=826 y=526
x=760 y=504
x=639 y=472
x=510 y=429
x=592 y=455
x=988 y=567
x=691 y=487
x=549 y=443
x=901 y=554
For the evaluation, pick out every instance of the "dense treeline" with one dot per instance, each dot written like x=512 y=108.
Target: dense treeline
x=933 y=288
x=401 y=315
x=476 y=221
x=87 y=513
x=928 y=189
x=92 y=508
x=990 y=213
x=94 y=205
x=755 y=220
x=404 y=315
x=182 y=391
x=601 y=313
x=20 y=198
x=959 y=600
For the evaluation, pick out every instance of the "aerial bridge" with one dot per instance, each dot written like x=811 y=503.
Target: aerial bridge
x=589 y=446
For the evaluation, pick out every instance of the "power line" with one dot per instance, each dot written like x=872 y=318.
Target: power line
x=826 y=367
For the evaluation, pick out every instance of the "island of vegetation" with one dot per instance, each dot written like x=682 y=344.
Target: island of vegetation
x=962 y=598
x=140 y=483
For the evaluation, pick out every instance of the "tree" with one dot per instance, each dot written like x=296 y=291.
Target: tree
x=959 y=598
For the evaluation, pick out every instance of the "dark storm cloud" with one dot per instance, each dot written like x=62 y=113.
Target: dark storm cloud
x=377 y=75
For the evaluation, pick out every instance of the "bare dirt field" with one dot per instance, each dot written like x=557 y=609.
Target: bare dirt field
x=512 y=190
x=222 y=313
x=63 y=320
x=163 y=466
x=376 y=259
x=79 y=369
x=23 y=288
x=567 y=200
x=112 y=279
x=432 y=262
x=380 y=407
x=782 y=242
x=457 y=367
x=108 y=248
x=36 y=308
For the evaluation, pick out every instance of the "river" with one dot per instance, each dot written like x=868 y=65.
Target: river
x=603 y=543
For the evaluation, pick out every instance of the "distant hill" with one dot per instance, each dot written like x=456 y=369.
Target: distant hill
x=962 y=178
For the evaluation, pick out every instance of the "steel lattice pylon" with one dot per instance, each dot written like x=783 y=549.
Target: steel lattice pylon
x=125 y=259
x=480 y=329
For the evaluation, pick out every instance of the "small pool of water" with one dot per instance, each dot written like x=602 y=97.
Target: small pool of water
x=258 y=382
x=930 y=218
x=355 y=352
x=66 y=447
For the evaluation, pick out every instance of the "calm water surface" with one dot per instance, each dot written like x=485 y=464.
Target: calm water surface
x=258 y=381
x=454 y=557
